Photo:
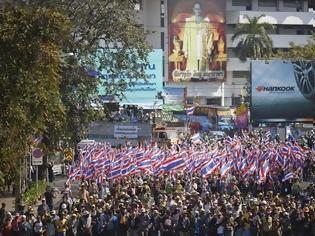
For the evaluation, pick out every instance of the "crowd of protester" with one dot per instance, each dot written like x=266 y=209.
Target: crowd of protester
x=174 y=204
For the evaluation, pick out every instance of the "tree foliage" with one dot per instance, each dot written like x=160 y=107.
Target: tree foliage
x=47 y=51
x=30 y=47
x=106 y=39
x=253 y=39
x=296 y=51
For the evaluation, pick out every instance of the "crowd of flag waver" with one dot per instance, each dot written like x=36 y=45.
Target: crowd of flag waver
x=261 y=159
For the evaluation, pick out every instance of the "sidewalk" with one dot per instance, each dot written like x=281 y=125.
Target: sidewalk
x=9 y=200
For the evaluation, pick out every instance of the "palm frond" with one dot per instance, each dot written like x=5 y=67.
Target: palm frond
x=254 y=40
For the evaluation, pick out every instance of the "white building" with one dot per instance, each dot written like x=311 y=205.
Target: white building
x=294 y=21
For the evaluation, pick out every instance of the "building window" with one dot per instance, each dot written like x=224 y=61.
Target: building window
x=162 y=40
x=163 y=66
x=240 y=74
x=290 y=3
x=162 y=13
x=241 y=3
x=267 y=3
x=190 y=100
x=236 y=101
x=162 y=21
x=138 y=5
x=162 y=8
x=300 y=6
x=214 y=101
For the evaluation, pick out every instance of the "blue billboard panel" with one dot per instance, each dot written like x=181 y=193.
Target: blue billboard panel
x=283 y=90
x=144 y=92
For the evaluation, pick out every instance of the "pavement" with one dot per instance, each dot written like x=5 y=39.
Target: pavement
x=9 y=200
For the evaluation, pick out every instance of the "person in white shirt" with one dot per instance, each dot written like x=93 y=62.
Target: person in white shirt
x=38 y=227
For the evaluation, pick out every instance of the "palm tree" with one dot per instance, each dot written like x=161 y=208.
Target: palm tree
x=254 y=41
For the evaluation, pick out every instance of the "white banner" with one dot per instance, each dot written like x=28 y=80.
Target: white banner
x=126 y=131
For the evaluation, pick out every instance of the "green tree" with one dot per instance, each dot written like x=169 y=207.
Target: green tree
x=106 y=38
x=253 y=39
x=31 y=42
x=48 y=49
x=297 y=52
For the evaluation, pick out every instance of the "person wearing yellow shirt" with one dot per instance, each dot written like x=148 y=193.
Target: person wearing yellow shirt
x=179 y=187
x=61 y=226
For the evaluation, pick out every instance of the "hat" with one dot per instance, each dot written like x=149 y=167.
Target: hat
x=23 y=216
x=63 y=206
x=53 y=212
x=85 y=213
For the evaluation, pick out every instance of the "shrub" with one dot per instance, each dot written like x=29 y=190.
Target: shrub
x=34 y=193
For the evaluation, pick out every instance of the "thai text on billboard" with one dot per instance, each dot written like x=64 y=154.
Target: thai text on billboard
x=144 y=92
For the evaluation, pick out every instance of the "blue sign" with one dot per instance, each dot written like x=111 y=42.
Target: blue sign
x=144 y=92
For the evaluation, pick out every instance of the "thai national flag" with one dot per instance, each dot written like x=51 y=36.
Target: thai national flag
x=102 y=165
x=242 y=164
x=145 y=165
x=268 y=135
x=228 y=141
x=285 y=150
x=288 y=176
x=250 y=169
x=280 y=160
x=298 y=152
x=195 y=138
x=74 y=174
x=173 y=163
x=199 y=163
x=36 y=140
x=126 y=168
x=190 y=111
x=264 y=170
x=225 y=168
x=209 y=169
x=89 y=172
x=114 y=174
x=139 y=154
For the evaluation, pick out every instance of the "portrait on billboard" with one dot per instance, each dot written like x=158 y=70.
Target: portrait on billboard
x=197 y=42
x=283 y=90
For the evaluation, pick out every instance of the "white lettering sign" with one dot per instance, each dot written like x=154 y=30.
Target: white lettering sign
x=126 y=131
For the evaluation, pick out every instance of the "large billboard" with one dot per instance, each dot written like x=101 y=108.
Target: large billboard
x=197 y=42
x=144 y=92
x=283 y=90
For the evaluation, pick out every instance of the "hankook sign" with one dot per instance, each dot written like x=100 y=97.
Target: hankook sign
x=282 y=90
